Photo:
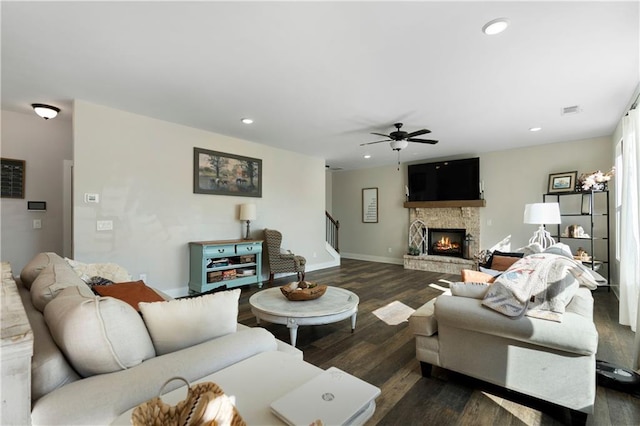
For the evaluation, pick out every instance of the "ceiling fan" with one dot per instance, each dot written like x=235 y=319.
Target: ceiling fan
x=400 y=139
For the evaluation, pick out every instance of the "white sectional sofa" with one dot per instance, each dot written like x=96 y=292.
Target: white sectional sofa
x=553 y=361
x=93 y=357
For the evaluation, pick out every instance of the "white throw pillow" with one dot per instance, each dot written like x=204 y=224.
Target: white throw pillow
x=97 y=334
x=469 y=289
x=110 y=271
x=180 y=323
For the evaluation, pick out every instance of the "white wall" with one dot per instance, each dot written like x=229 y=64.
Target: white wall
x=385 y=241
x=517 y=177
x=512 y=179
x=44 y=145
x=142 y=168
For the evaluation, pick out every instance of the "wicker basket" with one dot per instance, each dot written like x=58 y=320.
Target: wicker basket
x=190 y=411
x=293 y=293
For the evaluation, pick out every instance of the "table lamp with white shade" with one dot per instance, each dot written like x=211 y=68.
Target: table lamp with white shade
x=542 y=214
x=248 y=213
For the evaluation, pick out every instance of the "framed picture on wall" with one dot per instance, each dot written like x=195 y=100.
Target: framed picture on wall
x=220 y=173
x=562 y=182
x=13 y=174
x=370 y=205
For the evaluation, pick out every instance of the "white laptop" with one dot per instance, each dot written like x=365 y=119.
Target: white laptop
x=334 y=397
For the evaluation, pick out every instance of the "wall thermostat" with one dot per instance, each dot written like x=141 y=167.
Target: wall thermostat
x=37 y=205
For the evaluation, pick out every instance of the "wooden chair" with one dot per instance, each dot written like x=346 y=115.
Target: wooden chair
x=279 y=261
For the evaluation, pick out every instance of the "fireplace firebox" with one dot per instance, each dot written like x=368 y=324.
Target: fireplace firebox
x=446 y=242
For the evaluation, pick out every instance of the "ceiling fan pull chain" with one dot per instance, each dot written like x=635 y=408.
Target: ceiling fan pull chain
x=398 y=160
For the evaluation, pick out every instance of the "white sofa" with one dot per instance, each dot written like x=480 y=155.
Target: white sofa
x=69 y=388
x=548 y=360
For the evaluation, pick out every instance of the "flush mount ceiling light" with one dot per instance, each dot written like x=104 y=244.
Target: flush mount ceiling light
x=247 y=120
x=45 y=111
x=367 y=156
x=495 y=26
x=535 y=129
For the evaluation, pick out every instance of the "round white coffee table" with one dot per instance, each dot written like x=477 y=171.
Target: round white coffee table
x=335 y=305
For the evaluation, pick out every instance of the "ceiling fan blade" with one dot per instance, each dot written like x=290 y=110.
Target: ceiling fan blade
x=418 y=133
x=370 y=143
x=429 y=141
x=380 y=134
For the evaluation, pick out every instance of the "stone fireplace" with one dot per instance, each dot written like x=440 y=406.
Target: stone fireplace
x=464 y=220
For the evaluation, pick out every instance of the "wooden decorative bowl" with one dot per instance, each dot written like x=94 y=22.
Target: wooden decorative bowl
x=294 y=293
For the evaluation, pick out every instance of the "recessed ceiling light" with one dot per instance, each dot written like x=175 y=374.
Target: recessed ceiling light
x=535 y=129
x=367 y=156
x=247 y=120
x=496 y=26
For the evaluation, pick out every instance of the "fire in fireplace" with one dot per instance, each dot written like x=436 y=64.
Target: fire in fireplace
x=446 y=242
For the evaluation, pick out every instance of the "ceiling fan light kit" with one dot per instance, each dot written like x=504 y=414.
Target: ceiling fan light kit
x=398 y=145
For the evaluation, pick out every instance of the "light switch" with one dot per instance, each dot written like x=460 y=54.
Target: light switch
x=91 y=198
x=37 y=224
x=104 y=225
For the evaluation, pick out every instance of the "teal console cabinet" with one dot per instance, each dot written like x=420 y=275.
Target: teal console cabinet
x=230 y=263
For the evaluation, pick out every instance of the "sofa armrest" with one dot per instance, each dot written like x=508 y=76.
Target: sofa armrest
x=576 y=333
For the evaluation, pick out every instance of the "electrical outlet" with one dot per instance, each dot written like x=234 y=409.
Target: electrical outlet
x=143 y=277
x=37 y=224
x=104 y=225
x=389 y=249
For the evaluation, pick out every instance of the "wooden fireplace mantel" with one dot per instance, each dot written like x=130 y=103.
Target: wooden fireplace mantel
x=444 y=204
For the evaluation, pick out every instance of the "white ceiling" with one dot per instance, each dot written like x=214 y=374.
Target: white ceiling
x=318 y=77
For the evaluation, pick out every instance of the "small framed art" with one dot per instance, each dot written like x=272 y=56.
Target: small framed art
x=370 y=205
x=562 y=182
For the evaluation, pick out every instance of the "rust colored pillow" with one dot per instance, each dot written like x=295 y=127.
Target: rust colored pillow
x=502 y=263
x=469 y=276
x=132 y=292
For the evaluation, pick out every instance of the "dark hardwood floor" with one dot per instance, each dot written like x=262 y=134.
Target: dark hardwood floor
x=384 y=355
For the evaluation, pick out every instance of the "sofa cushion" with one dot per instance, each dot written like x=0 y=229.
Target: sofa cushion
x=31 y=271
x=575 y=333
x=474 y=290
x=131 y=292
x=52 y=280
x=97 y=334
x=179 y=323
x=501 y=261
x=423 y=321
x=468 y=275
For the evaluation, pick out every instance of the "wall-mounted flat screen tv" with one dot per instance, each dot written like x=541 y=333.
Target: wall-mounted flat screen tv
x=445 y=180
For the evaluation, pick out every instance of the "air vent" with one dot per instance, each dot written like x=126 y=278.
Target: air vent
x=575 y=109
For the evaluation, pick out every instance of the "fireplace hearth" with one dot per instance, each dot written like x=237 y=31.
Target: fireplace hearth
x=445 y=242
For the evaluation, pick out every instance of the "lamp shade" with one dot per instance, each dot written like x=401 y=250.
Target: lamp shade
x=542 y=213
x=247 y=211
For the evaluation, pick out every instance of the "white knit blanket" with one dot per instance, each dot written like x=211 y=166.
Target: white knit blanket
x=540 y=285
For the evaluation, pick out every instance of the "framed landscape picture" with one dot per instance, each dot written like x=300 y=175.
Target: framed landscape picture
x=220 y=173
x=562 y=182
